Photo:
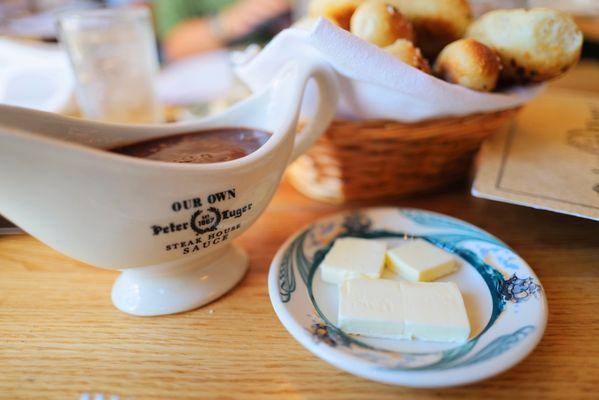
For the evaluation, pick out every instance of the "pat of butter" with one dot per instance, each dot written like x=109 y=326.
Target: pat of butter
x=371 y=307
x=435 y=311
x=353 y=258
x=418 y=260
x=391 y=309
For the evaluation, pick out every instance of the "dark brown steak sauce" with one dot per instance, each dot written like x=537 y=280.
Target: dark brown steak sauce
x=201 y=147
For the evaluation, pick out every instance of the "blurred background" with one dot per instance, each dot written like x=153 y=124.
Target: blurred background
x=152 y=61
x=143 y=61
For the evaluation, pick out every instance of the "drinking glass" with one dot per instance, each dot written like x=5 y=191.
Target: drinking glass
x=114 y=58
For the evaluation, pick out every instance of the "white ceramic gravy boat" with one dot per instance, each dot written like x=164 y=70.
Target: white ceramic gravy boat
x=169 y=227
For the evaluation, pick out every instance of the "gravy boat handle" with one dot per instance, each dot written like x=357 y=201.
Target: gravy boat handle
x=291 y=82
x=328 y=97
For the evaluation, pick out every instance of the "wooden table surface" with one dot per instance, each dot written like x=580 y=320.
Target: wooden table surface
x=60 y=337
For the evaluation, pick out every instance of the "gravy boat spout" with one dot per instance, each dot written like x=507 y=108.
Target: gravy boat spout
x=168 y=227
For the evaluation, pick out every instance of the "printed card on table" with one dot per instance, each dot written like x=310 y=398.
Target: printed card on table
x=549 y=158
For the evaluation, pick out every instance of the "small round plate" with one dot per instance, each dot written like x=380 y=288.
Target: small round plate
x=504 y=300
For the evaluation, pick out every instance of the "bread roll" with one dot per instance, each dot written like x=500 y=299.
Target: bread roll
x=405 y=51
x=337 y=11
x=469 y=63
x=436 y=22
x=534 y=45
x=380 y=23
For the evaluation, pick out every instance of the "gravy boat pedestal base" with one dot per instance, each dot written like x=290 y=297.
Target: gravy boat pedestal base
x=181 y=285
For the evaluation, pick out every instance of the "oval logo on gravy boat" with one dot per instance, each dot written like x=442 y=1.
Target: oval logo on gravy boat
x=203 y=222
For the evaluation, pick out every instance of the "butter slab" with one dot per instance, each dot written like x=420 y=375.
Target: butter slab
x=371 y=307
x=434 y=311
x=351 y=258
x=418 y=260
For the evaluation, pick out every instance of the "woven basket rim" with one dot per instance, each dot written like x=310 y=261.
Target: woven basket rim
x=376 y=159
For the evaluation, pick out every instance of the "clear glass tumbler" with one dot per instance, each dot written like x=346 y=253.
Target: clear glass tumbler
x=114 y=58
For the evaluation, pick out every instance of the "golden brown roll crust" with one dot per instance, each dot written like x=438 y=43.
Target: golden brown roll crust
x=436 y=22
x=405 y=51
x=534 y=45
x=337 y=11
x=380 y=23
x=469 y=63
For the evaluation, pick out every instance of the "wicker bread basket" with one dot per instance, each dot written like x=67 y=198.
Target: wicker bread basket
x=369 y=160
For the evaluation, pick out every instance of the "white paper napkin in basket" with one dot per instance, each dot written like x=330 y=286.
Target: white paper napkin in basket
x=374 y=85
